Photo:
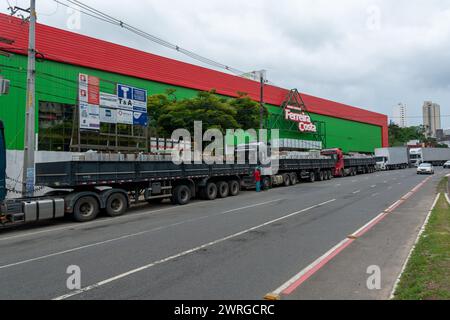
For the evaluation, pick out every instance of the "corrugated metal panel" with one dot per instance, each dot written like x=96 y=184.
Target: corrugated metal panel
x=63 y=46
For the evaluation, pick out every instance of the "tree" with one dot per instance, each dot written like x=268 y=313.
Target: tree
x=247 y=111
x=400 y=136
x=213 y=111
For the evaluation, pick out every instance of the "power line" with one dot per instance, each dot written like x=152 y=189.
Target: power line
x=92 y=12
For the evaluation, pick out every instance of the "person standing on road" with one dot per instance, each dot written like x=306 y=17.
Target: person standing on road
x=257 y=176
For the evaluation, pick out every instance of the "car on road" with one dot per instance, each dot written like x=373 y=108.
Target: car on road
x=447 y=165
x=425 y=168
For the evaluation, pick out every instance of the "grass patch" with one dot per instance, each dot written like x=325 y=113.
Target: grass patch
x=427 y=275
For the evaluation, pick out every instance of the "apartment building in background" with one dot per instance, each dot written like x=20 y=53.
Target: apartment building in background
x=431 y=118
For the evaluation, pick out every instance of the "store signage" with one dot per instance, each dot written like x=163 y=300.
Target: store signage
x=304 y=121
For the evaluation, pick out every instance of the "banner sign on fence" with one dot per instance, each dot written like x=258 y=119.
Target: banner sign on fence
x=89 y=102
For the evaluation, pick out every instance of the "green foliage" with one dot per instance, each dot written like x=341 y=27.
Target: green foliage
x=400 y=136
x=168 y=114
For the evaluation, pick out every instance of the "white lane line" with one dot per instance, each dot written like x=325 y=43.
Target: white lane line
x=354 y=181
x=96 y=244
x=357 y=191
x=373 y=186
x=338 y=185
x=185 y=253
x=422 y=230
x=447 y=197
x=252 y=206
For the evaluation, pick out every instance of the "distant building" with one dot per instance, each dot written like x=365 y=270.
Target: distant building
x=399 y=115
x=431 y=118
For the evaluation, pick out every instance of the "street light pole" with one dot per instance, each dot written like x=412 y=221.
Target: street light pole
x=30 y=118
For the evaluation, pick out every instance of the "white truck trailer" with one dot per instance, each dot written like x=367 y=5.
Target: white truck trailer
x=392 y=158
x=435 y=156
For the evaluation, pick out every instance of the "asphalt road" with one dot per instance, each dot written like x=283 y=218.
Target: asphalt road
x=234 y=248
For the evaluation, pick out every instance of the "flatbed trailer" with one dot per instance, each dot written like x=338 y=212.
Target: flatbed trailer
x=83 y=189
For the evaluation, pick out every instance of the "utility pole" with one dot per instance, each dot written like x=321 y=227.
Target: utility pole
x=30 y=118
x=262 y=78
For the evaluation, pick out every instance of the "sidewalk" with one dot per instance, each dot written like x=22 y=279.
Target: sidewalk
x=387 y=246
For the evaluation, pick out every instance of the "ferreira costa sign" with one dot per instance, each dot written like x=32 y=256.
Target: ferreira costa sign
x=304 y=121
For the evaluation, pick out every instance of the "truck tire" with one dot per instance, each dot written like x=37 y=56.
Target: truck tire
x=312 y=177
x=116 y=205
x=181 y=195
x=320 y=176
x=209 y=192
x=294 y=179
x=86 y=209
x=234 y=187
x=223 y=189
x=286 y=180
x=330 y=175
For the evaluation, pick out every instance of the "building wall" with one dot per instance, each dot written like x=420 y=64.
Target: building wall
x=57 y=82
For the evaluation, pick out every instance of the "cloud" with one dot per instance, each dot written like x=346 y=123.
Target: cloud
x=372 y=54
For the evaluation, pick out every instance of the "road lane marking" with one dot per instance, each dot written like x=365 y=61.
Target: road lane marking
x=100 y=243
x=357 y=191
x=185 y=253
x=447 y=198
x=373 y=186
x=294 y=283
x=422 y=230
x=252 y=206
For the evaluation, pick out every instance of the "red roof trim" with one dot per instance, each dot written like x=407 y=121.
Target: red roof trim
x=64 y=46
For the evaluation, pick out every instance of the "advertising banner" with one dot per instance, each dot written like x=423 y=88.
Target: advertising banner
x=108 y=100
x=108 y=115
x=89 y=101
x=89 y=116
x=133 y=99
x=140 y=119
x=124 y=116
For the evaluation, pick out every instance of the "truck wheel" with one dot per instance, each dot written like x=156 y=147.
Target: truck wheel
x=234 y=187
x=330 y=175
x=294 y=179
x=312 y=177
x=181 y=195
x=223 y=189
x=321 y=176
x=86 y=209
x=209 y=192
x=286 y=180
x=116 y=205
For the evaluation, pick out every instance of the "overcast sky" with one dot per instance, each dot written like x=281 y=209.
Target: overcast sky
x=372 y=54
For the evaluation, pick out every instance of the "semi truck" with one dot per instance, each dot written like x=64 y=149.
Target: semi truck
x=434 y=156
x=84 y=189
x=392 y=158
x=350 y=165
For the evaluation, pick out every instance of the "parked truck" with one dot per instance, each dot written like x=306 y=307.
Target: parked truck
x=434 y=156
x=83 y=189
x=392 y=158
x=350 y=165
